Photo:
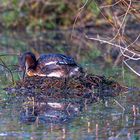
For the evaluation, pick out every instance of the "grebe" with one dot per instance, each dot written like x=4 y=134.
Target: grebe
x=50 y=65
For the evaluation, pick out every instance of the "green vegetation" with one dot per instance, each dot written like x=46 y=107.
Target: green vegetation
x=67 y=26
x=55 y=26
x=44 y=14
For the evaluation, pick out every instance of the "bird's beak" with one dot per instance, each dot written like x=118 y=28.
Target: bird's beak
x=23 y=75
x=25 y=70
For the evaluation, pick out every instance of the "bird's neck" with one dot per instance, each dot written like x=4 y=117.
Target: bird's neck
x=30 y=64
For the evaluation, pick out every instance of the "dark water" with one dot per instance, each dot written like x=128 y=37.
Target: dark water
x=114 y=119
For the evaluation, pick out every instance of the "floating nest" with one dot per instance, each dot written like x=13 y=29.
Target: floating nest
x=73 y=87
x=57 y=100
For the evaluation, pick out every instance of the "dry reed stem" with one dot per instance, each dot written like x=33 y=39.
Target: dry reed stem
x=124 y=50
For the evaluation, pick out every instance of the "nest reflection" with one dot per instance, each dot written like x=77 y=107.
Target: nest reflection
x=57 y=100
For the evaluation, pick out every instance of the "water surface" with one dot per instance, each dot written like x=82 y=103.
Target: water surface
x=115 y=118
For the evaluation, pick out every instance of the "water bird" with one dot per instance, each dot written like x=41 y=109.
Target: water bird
x=50 y=65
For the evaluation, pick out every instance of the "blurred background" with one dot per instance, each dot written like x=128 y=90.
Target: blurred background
x=51 y=26
x=102 y=36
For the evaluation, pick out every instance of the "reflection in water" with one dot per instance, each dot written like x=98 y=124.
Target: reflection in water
x=27 y=113
x=59 y=118
x=50 y=111
x=49 y=100
x=46 y=109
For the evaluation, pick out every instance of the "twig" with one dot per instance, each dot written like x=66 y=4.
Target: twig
x=119 y=104
x=131 y=67
x=83 y=5
x=122 y=49
x=134 y=41
x=129 y=6
x=78 y=15
x=111 y=5
x=11 y=54
x=118 y=46
x=5 y=66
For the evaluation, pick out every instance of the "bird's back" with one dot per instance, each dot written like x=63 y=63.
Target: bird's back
x=55 y=59
x=57 y=65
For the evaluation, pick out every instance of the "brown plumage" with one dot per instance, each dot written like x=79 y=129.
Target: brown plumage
x=50 y=65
